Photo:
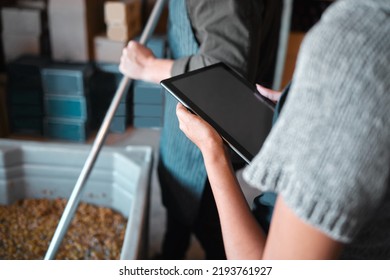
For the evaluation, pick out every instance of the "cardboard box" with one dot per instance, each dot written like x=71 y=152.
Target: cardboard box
x=69 y=37
x=16 y=45
x=35 y=4
x=23 y=32
x=73 y=26
x=123 y=33
x=3 y=3
x=107 y=50
x=22 y=21
x=122 y=12
x=74 y=6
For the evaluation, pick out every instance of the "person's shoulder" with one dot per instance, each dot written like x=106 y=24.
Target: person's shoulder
x=350 y=29
x=355 y=17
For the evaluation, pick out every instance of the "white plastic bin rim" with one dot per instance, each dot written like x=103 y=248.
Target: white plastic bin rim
x=120 y=179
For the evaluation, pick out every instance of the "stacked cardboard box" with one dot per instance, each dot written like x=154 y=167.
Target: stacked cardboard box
x=37 y=4
x=105 y=83
x=107 y=50
x=66 y=99
x=24 y=32
x=123 y=19
x=148 y=98
x=73 y=26
x=25 y=95
x=4 y=3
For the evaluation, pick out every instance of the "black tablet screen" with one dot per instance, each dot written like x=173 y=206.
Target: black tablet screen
x=229 y=103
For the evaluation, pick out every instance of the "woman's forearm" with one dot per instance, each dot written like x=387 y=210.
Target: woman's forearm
x=243 y=238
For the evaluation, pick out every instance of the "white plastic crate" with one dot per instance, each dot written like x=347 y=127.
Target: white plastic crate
x=120 y=180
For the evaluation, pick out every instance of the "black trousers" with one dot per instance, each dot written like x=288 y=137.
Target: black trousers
x=206 y=226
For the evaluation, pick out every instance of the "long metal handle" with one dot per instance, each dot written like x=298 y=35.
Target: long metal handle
x=284 y=33
x=74 y=199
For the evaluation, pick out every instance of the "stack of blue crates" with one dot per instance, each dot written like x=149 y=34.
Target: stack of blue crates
x=148 y=98
x=105 y=82
x=25 y=95
x=66 y=100
x=148 y=105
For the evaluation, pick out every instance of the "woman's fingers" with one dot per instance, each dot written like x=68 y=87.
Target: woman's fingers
x=273 y=95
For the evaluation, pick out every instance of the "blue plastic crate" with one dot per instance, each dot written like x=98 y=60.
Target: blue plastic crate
x=141 y=110
x=118 y=124
x=27 y=125
x=26 y=111
x=101 y=101
x=25 y=72
x=24 y=97
x=66 y=79
x=145 y=122
x=105 y=81
x=147 y=93
x=60 y=106
x=122 y=112
x=66 y=129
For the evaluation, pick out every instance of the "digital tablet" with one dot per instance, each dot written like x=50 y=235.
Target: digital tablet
x=228 y=102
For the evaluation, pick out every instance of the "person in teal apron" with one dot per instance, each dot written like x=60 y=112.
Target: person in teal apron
x=244 y=35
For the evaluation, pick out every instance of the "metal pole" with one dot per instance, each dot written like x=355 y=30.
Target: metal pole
x=74 y=199
x=283 y=42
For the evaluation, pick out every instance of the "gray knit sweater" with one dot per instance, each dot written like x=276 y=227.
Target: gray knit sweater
x=329 y=153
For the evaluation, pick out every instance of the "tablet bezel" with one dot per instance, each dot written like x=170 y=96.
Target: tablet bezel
x=168 y=84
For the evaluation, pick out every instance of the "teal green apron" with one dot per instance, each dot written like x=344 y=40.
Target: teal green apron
x=181 y=158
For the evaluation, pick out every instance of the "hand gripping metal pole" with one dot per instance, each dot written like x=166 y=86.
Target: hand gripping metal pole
x=75 y=196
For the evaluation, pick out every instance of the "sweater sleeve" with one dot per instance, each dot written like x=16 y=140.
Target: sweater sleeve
x=226 y=30
x=329 y=153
